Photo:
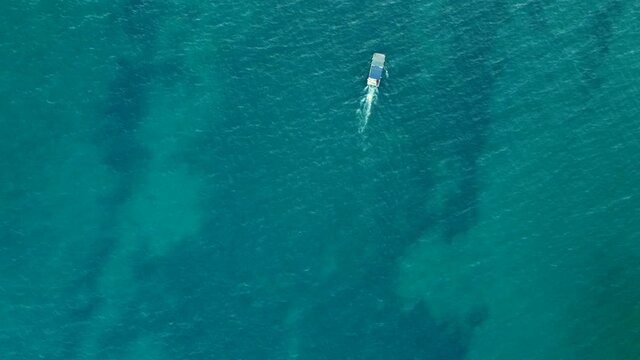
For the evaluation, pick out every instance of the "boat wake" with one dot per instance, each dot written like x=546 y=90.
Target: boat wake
x=366 y=103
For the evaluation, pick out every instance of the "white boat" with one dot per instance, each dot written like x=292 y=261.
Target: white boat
x=375 y=72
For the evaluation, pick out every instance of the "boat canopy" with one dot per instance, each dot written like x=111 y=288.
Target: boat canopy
x=375 y=72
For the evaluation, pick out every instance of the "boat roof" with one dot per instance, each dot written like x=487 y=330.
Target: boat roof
x=375 y=72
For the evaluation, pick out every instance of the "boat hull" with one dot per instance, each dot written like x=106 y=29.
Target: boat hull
x=376 y=69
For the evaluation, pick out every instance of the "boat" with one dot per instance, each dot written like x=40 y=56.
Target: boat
x=375 y=72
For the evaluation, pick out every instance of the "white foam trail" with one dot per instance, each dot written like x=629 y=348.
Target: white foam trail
x=366 y=103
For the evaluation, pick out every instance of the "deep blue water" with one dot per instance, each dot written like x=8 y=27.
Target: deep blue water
x=194 y=180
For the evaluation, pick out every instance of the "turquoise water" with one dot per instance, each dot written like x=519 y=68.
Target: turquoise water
x=194 y=180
